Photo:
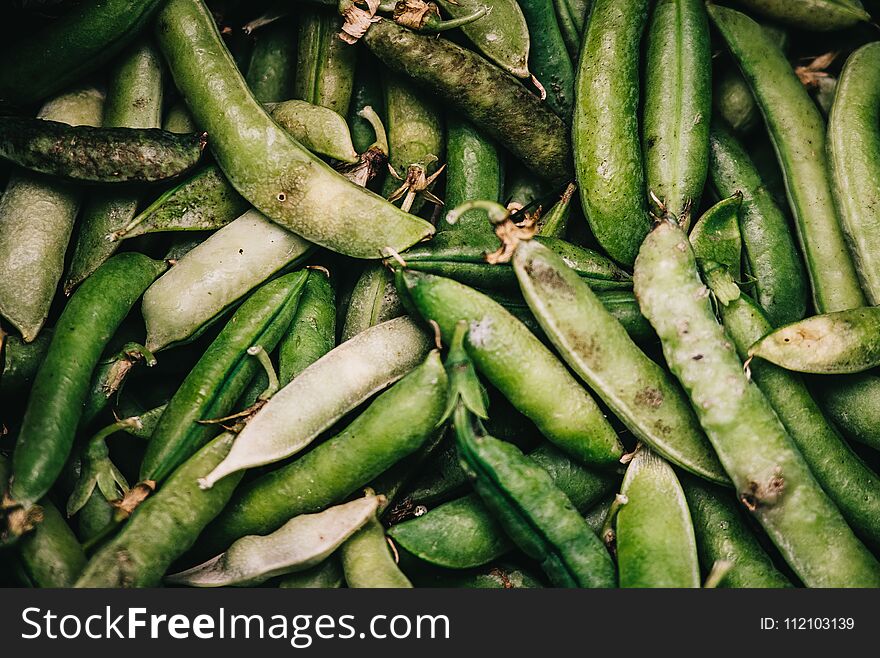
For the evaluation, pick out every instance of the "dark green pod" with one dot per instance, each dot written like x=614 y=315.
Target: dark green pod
x=312 y=332
x=549 y=60
x=51 y=556
x=20 y=364
x=270 y=74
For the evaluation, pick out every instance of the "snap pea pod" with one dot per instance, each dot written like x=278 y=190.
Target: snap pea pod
x=853 y=487
x=459 y=258
x=395 y=425
x=733 y=102
x=64 y=51
x=475 y=170
x=839 y=343
x=312 y=332
x=264 y=164
x=36 y=220
x=800 y=148
x=51 y=556
x=98 y=155
x=770 y=476
x=571 y=26
x=164 y=526
x=221 y=375
x=607 y=151
x=853 y=404
x=462 y=533
x=134 y=100
x=271 y=71
x=854 y=157
x=367 y=92
x=327 y=575
x=374 y=300
x=325 y=64
x=318 y=128
x=367 y=561
x=302 y=542
x=772 y=257
x=86 y=325
x=819 y=15
x=716 y=236
x=595 y=345
x=655 y=539
x=178 y=119
x=214 y=275
x=20 y=363
x=548 y=55
x=493 y=101
x=555 y=223
x=723 y=535
x=304 y=408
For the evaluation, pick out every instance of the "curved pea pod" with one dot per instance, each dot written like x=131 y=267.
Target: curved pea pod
x=87 y=323
x=853 y=404
x=214 y=275
x=164 y=526
x=770 y=476
x=312 y=332
x=219 y=378
x=304 y=408
x=819 y=15
x=716 y=237
x=36 y=221
x=20 y=363
x=655 y=539
x=374 y=300
x=51 y=556
x=367 y=561
x=773 y=260
x=839 y=343
x=318 y=128
x=302 y=542
x=733 y=102
x=324 y=64
x=327 y=575
x=555 y=223
x=596 y=346
x=533 y=511
x=853 y=486
x=548 y=55
x=797 y=131
x=462 y=533
x=493 y=101
x=272 y=68
x=678 y=104
x=397 y=424
x=854 y=157
x=518 y=365
x=262 y=162
x=724 y=536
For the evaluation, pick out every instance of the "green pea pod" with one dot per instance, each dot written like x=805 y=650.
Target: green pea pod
x=769 y=474
x=853 y=404
x=302 y=542
x=312 y=332
x=571 y=25
x=607 y=149
x=219 y=378
x=518 y=365
x=394 y=426
x=555 y=223
x=36 y=220
x=327 y=575
x=374 y=300
x=134 y=100
x=494 y=576
x=324 y=64
x=20 y=364
x=367 y=562
x=595 y=345
x=203 y=202
x=271 y=71
x=178 y=119
x=818 y=15
x=716 y=236
x=548 y=55
x=214 y=275
x=724 y=536
x=484 y=95
x=844 y=477
x=533 y=511
x=164 y=526
x=318 y=128
x=733 y=102
x=797 y=131
x=522 y=187
x=854 y=157
x=51 y=555
x=304 y=408
x=64 y=51
x=367 y=92
x=86 y=325
x=264 y=164
x=771 y=254
x=839 y=343
x=655 y=539
x=475 y=170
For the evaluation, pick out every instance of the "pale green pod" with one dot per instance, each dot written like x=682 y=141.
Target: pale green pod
x=319 y=129
x=373 y=300
x=367 y=561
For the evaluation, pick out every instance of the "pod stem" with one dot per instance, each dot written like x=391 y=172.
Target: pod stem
x=260 y=353
x=416 y=184
x=509 y=232
x=370 y=115
x=608 y=535
x=433 y=23
x=719 y=570
x=464 y=385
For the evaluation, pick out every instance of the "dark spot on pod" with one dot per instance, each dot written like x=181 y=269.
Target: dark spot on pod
x=649 y=397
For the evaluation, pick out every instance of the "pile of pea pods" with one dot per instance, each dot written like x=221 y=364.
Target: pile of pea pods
x=474 y=293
